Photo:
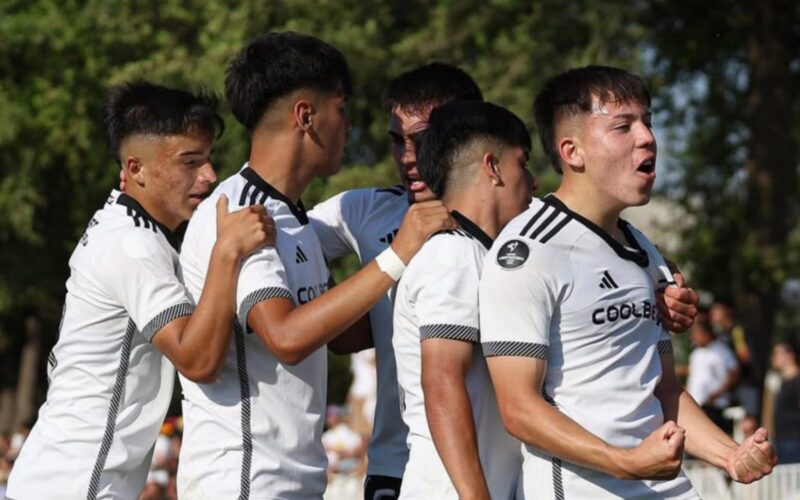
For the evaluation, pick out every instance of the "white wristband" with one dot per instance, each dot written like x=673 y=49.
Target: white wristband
x=390 y=263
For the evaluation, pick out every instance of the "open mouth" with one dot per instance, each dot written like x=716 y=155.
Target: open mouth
x=647 y=167
x=415 y=182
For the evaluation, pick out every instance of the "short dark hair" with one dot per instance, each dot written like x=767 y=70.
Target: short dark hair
x=571 y=92
x=453 y=127
x=145 y=108
x=277 y=64
x=431 y=84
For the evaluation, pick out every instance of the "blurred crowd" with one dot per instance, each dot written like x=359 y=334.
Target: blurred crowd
x=718 y=369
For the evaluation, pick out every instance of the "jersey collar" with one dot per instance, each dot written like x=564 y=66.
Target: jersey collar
x=174 y=238
x=472 y=228
x=298 y=210
x=635 y=253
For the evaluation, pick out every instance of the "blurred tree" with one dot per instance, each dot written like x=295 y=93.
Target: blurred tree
x=735 y=163
x=729 y=79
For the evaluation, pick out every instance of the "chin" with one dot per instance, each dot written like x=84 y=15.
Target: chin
x=426 y=195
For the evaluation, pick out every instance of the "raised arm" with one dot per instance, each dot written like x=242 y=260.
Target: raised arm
x=197 y=344
x=293 y=333
x=745 y=463
x=659 y=456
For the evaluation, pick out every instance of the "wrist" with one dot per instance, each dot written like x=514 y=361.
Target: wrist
x=402 y=252
x=227 y=250
x=620 y=460
x=390 y=263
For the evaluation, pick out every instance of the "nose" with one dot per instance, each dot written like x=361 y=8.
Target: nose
x=646 y=138
x=409 y=156
x=207 y=173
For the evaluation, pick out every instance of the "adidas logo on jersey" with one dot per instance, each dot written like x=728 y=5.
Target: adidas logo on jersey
x=607 y=281
x=389 y=238
x=300 y=256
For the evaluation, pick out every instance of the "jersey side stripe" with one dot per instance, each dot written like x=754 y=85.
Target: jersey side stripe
x=113 y=410
x=543 y=225
x=273 y=292
x=664 y=347
x=558 y=483
x=509 y=348
x=244 y=394
x=533 y=220
x=563 y=222
x=450 y=332
x=165 y=317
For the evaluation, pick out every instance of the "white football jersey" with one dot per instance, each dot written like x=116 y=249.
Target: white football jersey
x=437 y=298
x=557 y=287
x=109 y=386
x=365 y=221
x=256 y=431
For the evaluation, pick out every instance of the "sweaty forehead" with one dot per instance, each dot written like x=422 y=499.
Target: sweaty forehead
x=610 y=106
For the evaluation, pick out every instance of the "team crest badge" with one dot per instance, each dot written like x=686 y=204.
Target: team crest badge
x=513 y=254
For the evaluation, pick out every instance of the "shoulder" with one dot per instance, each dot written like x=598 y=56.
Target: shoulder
x=358 y=198
x=452 y=248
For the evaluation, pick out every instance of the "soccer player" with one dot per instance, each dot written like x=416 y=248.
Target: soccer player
x=474 y=158
x=365 y=221
x=110 y=386
x=581 y=364
x=257 y=429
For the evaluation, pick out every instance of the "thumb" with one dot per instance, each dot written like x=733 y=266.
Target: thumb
x=679 y=280
x=760 y=435
x=222 y=207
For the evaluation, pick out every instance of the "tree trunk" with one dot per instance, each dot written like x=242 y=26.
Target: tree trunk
x=771 y=168
x=28 y=371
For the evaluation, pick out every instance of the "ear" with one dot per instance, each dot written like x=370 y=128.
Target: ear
x=489 y=167
x=134 y=170
x=303 y=112
x=571 y=153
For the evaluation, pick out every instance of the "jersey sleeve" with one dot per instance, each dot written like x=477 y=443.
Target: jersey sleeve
x=145 y=282
x=336 y=221
x=262 y=277
x=445 y=285
x=519 y=296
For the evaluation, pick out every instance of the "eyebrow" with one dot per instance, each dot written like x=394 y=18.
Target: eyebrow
x=193 y=152
x=410 y=135
x=633 y=116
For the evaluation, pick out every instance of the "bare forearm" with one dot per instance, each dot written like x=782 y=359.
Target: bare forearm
x=448 y=408
x=204 y=341
x=704 y=439
x=556 y=434
x=294 y=334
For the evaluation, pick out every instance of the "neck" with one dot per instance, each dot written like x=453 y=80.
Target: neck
x=154 y=208
x=277 y=158
x=593 y=207
x=483 y=212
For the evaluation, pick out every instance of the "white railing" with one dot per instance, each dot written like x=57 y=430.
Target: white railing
x=713 y=484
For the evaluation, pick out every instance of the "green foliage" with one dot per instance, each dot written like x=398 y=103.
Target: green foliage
x=58 y=58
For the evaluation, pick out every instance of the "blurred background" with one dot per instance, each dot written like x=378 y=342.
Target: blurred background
x=724 y=75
